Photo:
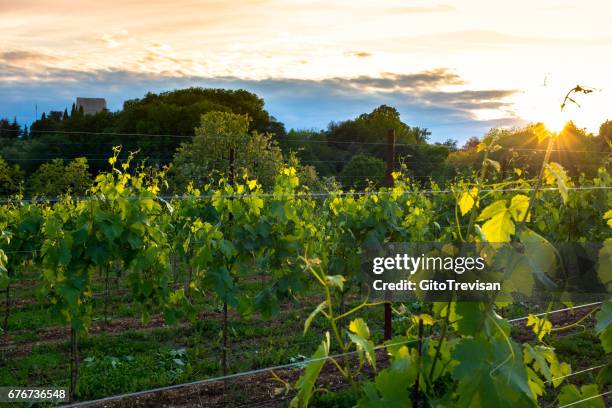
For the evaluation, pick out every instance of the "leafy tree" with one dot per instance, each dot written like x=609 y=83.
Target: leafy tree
x=605 y=134
x=54 y=178
x=427 y=161
x=150 y=114
x=575 y=149
x=371 y=129
x=11 y=179
x=166 y=115
x=206 y=158
x=9 y=130
x=312 y=147
x=362 y=169
x=471 y=143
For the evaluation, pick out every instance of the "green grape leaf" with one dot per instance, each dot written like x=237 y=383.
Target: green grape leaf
x=499 y=226
x=491 y=373
x=134 y=240
x=540 y=255
x=245 y=306
x=266 y=302
x=608 y=216
x=440 y=309
x=63 y=251
x=604 y=317
x=604 y=326
x=588 y=395
x=111 y=229
x=364 y=346
x=518 y=207
x=467 y=317
x=544 y=360
x=604 y=377
x=536 y=384
x=336 y=280
x=467 y=200
x=227 y=248
x=392 y=385
x=532 y=355
x=360 y=327
x=360 y=336
x=555 y=173
x=496 y=208
x=306 y=383
x=312 y=315
x=222 y=283
x=604 y=271
x=98 y=254
x=541 y=326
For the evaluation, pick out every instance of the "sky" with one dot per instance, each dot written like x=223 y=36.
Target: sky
x=458 y=68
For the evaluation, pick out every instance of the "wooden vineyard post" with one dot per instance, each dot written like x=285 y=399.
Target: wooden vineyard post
x=230 y=219
x=7 y=307
x=389 y=183
x=74 y=363
x=106 y=292
x=415 y=389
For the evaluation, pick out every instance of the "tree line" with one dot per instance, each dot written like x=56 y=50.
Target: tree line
x=190 y=130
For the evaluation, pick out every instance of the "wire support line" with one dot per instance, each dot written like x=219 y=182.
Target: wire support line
x=169 y=198
x=586 y=370
x=231 y=376
x=518 y=319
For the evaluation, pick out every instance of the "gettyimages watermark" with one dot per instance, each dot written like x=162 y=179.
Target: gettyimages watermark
x=528 y=271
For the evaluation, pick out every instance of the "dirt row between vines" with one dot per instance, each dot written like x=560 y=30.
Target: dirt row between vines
x=260 y=389
x=116 y=327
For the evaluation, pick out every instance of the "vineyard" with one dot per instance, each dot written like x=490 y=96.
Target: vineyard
x=239 y=294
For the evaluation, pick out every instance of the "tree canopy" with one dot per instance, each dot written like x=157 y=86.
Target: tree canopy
x=192 y=129
x=207 y=157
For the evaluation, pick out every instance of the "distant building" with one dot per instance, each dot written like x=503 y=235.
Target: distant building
x=90 y=106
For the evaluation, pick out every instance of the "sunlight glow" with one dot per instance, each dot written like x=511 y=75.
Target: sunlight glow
x=543 y=104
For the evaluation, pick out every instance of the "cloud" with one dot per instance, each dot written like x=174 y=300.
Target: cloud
x=472 y=100
x=420 y=97
x=113 y=40
x=358 y=54
x=389 y=81
x=21 y=57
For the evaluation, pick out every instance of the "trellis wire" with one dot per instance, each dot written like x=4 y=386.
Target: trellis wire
x=294 y=195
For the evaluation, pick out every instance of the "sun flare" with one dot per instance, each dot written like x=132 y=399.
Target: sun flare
x=543 y=105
